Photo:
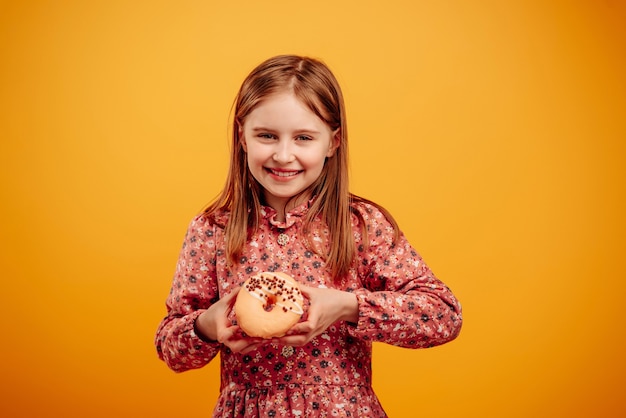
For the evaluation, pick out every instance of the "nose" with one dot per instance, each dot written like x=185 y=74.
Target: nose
x=283 y=153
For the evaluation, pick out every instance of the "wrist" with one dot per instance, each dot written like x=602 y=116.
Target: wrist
x=204 y=329
x=351 y=308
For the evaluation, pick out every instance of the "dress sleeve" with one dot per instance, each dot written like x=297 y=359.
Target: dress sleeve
x=194 y=289
x=401 y=302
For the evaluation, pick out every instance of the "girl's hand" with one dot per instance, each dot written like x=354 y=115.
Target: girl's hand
x=233 y=338
x=326 y=306
x=215 y=325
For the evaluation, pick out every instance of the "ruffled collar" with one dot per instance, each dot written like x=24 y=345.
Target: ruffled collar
x=269 y=213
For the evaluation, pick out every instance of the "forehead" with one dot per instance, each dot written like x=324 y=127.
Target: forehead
x=283 y=109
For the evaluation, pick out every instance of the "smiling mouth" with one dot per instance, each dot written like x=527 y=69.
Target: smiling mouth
x=284 y=173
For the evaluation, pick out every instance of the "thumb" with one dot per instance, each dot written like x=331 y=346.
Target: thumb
x=307 y=291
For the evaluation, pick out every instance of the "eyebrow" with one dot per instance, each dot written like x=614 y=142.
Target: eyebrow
x=297 y=131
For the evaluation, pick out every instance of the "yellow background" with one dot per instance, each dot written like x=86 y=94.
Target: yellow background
x=493 y=130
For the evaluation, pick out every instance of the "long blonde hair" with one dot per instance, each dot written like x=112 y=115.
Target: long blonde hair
x=315 y=85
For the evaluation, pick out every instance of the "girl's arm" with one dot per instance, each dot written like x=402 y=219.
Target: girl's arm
x=402 y=303
x=194 y=290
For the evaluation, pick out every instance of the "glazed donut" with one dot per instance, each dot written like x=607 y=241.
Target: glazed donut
x=268 y=305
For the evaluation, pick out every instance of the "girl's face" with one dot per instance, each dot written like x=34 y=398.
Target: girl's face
x=286 y=146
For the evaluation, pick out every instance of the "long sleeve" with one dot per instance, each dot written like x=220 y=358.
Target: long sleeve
x=194 y=289
x=401 y=303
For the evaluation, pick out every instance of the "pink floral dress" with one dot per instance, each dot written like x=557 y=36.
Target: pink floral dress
x=400 y=303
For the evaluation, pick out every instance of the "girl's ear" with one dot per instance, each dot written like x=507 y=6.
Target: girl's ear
x=242 y=140
x=336 y=140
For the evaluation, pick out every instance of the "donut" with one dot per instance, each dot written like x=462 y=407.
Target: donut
x=268 y=304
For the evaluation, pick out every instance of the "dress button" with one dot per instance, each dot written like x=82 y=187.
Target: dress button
x=282 y=239
x=288 y=351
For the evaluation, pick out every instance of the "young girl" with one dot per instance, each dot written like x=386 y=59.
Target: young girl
x=286 y=207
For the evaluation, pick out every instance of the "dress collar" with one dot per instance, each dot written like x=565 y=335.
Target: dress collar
x=270 y=213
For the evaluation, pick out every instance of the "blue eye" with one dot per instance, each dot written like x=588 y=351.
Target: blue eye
x=304 y=138
x=266 y=136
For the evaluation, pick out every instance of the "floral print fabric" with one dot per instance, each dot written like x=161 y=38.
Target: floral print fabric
x=400 y=302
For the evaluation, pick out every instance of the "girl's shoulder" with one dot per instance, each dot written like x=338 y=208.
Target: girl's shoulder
x=211 y=220
x=374 y=221
x=370 y=212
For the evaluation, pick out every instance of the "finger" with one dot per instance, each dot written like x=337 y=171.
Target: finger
x=294 y=340
x=228 y=333
x=301 y=328
x=307 y=291
x=229 y=299
x=251 y=347
x=236 y=346
x=241 y=345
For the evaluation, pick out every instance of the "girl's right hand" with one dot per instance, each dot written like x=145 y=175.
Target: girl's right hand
x=215 y=325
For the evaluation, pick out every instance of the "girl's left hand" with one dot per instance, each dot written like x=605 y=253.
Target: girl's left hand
x=326 y=306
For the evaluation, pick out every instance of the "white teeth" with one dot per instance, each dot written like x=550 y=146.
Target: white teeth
x=284 y=173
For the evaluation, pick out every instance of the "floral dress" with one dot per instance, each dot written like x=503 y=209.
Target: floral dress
x=400 y=302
